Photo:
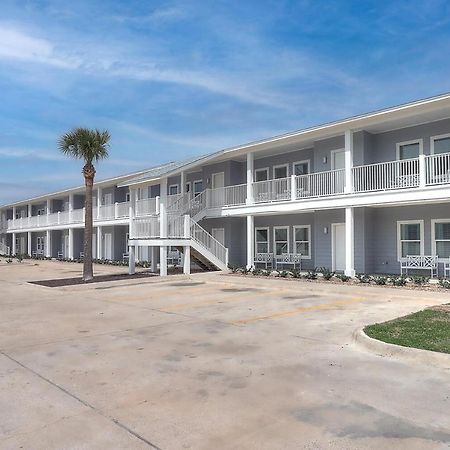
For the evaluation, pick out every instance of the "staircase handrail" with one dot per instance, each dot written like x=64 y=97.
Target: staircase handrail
x=210 y=243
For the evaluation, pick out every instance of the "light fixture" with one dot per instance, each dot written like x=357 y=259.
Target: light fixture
x=325 y=230
x=325 y=159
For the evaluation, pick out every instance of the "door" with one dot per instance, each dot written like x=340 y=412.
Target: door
x=218 y=193
x=66 y=246
x=219 y=235
x=107 y=247
x=337 y=159
x=338 y=244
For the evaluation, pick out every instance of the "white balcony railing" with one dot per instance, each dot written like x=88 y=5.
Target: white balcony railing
x=228 y=196
x=107 y=212
x=437 y=169
x=146 y=206
x=206 y=240
x=388 y=175
x=272 y=190
x=122 y=210
x=320 y=184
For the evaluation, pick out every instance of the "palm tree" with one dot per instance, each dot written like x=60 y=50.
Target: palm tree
x=89 y=146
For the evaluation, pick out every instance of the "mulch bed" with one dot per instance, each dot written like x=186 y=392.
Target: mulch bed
x=59 y=282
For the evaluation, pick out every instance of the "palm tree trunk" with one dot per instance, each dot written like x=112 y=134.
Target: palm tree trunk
x=89 y=174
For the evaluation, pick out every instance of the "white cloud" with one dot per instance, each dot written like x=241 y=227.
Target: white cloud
x=36 y=153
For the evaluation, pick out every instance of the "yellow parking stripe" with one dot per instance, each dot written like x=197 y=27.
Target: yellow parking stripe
x=298 y=311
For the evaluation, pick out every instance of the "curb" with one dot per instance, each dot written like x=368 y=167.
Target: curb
x=384 y=349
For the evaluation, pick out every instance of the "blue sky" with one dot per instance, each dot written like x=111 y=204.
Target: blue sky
x=175 y=79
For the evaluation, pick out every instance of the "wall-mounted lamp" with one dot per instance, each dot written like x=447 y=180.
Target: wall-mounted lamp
x=325 y=230
x=325 y=160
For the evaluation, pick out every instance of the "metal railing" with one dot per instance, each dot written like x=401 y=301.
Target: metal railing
x=387 y=175
x=437 y=169
x=320 y=184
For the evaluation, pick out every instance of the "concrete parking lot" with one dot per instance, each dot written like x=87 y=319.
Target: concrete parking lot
x=209 y=361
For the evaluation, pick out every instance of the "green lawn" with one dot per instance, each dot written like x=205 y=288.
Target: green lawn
x=428 y=329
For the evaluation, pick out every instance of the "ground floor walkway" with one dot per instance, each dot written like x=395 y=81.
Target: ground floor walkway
x=208 y=361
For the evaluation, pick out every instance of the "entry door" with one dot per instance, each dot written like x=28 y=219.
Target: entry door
x=337 y=159
x=338 y=243
x=218 y=194
x=66 y=246
x=107 y=246
x=219 y=235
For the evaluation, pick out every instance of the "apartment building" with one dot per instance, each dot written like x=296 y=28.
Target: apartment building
x=361 y=194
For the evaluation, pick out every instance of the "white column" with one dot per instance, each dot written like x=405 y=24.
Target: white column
x=250 y=241
x=132 y=211
x=14 y=249
x=163 y=260
x=250 y=165
x=99 y=243
x=157 y=203
x=99 y=201
x=30 y=210
x=422 y=171
x=162 y=221
x=162 y=234
x=29 y=250
x=131 y=260
x=48 y=244
x=182 y=182
x=187 y=259
x=71 y=249
x=70 y=208
x=49 y=206
x=154 y=261
x=348 y=161
x=14 y=217
x=293 y=188
x=349 y=242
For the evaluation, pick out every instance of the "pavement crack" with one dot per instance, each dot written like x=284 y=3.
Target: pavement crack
x=83 y=402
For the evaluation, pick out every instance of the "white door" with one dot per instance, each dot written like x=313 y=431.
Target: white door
x=107 y=246
x=66 y=246
x=217 y=194
x=338 y=238
x=219 y=234
x=337 y=159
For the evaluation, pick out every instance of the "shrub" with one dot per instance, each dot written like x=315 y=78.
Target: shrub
x=327 y=274
x=380 y=280
x=283 y=273
x=342 y=277
x=420 y=279
x=256 y=271
x=296 y=273
x=444 y=283
x=246 y=271
x=9 y=261
x=266 y=273
x=234 y=269
x=398 y=280
x=363 y=278
x=311 y=275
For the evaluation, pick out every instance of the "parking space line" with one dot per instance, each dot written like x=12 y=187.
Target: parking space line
x=295 y=311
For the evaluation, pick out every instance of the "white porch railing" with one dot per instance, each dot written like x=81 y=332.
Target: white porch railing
x=145 y=227
x=320 y=184
x=78 y=215
x=437 y=169
x=203 y=238
x=175 y=226
x=228 y=196
x=171 y=199
x=272 y=190
x=122 y=210
x=107 y=212
x=4 y=249
x=387 y=175
x=146 y=206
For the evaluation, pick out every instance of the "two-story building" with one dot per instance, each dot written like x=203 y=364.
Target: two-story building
x=355 y=195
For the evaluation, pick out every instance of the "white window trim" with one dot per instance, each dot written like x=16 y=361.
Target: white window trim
x=279 y=166
x=305 y=161
x=433 y=237
x=127 y=196
x=40 y=240
x=264 y=169
x=275 y=242
x=436 y=138
x=309 y=239
x=338 y=150
x=188 y=183
x=212 y=178
x=413 y=141
x=422 y=236
x=268 y=238
x=174 y=185
x=193 y=186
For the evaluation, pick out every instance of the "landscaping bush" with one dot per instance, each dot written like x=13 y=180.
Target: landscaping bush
x=283 y=273
x=444 y=283
x=420 y=280
x=327 y=274
x=380 y=280
x=398 y=280
x=234 y=269
x=342 y=277
x=296 y=273
x=256 y=271
x=311 y=275
x=266 y=273
x=363 y=278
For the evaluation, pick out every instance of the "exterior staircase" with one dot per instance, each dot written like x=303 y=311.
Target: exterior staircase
x=4 y=250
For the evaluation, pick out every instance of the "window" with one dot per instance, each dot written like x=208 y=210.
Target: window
x=440 y=144
x=280 y=171
x=300 y=168
x=262 y=240
x=188 y=187
x=127 y=197
x=40 y=244
x=173 y=189
x=198 y=187
x=302 y=240
x=409 y=149
x=410 y=238
x=281 y=240
x=261 y=174
x=441 y=238
x=40 y=211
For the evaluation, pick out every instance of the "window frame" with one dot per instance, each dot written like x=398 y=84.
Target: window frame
x=437 y=138
x=280 y=227
x=308 y=227
x=399 y=240
x=332 y=158
x=433 y=237
x=264 y=169
x=279 y=166
x=268 y=239
x=40 y=242
x=188 y=190
x=174 y=185
x=412 y=141
x=193 y=187
x=305 y=161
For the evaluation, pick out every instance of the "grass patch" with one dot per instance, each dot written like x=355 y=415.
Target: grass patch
x=428 y=330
